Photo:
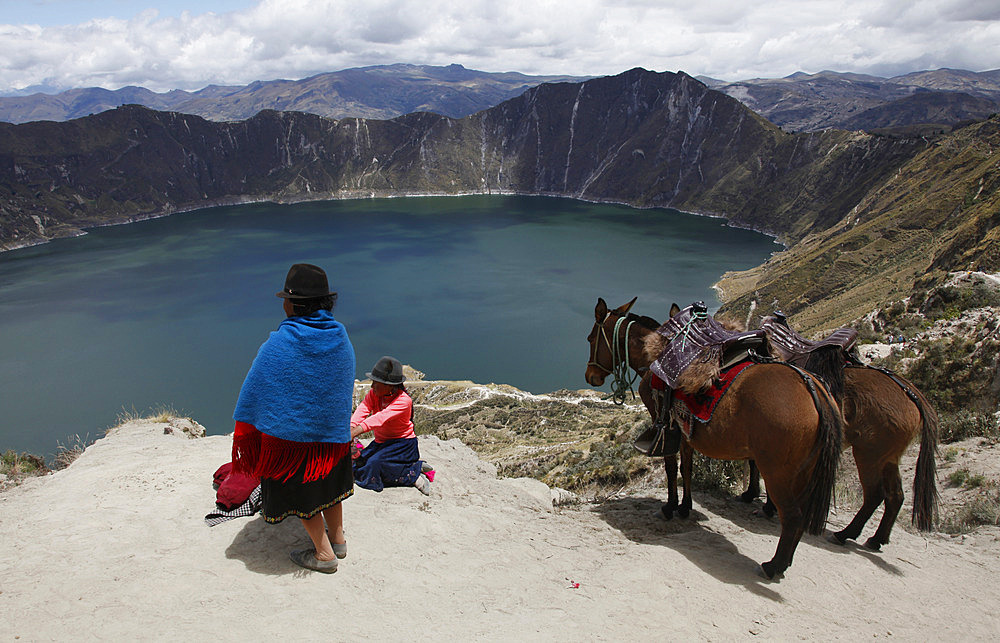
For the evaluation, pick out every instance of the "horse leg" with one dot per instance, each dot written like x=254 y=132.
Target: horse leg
x=753 y=491
x=687 y=458
x=670 y=468
x=893 y=486
x=650 y=400
x=792 y=528
x=753 y=485
x=873 y=494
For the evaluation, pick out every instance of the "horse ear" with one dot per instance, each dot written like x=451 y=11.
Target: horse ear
x=601 y=311
x=624 y=308
x=674 y=309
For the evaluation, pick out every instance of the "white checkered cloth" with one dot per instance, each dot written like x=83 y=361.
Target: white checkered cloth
x=248 y=508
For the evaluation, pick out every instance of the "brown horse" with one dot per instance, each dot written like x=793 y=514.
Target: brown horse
x=883 y=413
x=780 y=417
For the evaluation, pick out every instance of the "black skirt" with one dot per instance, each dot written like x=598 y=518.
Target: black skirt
x=306 y=499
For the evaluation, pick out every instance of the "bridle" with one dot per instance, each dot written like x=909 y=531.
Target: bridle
x=619 y=358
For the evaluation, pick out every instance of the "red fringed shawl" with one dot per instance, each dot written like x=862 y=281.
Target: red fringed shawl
x=264 y=456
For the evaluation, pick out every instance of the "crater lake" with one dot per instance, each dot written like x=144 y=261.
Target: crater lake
x=170 y=312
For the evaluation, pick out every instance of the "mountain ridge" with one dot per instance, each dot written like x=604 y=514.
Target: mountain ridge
x=662 y=140
x=828 y=99
x=378 y=91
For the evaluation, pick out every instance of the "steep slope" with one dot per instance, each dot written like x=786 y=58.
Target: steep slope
x=938 y=213
x=640 y=137
x=813 y=102
x=933 y=110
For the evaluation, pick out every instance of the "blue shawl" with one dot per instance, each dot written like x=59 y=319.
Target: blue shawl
x=301 y=384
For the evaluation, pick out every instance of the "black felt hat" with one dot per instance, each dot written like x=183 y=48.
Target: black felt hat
x=387 y=370
x=305 y=281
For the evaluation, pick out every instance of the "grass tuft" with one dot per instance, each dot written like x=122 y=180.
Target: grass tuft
x=982 y=509
x=66 y=454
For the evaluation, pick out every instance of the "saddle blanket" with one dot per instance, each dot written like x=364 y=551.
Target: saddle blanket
x=702 y=405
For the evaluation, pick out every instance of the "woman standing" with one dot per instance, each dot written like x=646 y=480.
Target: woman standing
x=293 y=418
x=393 y=457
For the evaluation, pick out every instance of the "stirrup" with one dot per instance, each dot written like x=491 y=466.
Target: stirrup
x=650 y=442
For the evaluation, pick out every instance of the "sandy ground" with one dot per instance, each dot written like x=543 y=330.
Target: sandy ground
x=115 y=546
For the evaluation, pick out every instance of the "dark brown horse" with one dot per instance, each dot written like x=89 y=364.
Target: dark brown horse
x=883 y=414
x=778 y=416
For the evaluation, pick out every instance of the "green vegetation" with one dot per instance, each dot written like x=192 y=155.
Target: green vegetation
x=982 y=509
x=964 y=424
x=21 y=464
x=956 y=373
x=962 y=478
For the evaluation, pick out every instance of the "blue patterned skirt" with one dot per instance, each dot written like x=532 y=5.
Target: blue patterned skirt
x=393 y=463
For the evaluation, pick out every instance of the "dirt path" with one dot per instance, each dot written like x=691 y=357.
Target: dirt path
x=115 y=546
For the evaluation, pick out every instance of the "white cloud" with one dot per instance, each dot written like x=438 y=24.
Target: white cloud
x=297 y=38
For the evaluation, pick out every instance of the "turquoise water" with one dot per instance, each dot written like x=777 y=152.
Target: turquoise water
x=170 y=312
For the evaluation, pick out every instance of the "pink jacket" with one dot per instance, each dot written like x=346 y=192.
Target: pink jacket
x=387 y=417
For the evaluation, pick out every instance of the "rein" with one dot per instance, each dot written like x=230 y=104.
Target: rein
x=619 y=370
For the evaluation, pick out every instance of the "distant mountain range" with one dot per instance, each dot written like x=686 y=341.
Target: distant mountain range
x=917 y=103
x=383 y=92
x=911 y=103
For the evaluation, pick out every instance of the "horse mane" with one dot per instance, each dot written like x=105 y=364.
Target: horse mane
x=828 y=364
x=646 y=322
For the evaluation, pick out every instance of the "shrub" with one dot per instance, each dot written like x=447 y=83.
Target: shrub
x=983 y=509
x=725 y=476
x=956 y=373
x=20 y=465
x=964 y=424
x=957 y=478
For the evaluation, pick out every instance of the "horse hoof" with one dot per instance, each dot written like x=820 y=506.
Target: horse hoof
x=747 y=497
x=768 y=510
x=684 y=512
x=873 y=545
x=770 y=571
x=837 y=538
x=667 y=512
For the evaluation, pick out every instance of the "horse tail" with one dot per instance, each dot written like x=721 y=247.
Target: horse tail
x=818 y=493
x=828 y=363
x=925 y=494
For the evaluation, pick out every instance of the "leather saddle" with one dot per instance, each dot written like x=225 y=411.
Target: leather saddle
x=797 y=349
x=693 y=334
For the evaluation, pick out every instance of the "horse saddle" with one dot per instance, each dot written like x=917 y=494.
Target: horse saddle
x=797 y=348
x=692 y=334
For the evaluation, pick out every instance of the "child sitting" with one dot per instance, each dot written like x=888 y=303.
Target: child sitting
x=392 y=459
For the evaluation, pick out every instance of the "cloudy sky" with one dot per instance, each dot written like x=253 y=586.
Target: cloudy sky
x=187 y=44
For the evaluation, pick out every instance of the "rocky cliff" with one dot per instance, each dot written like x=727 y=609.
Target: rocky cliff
x=642 y=138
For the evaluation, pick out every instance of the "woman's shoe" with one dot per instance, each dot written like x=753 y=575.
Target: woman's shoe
x=339 y=549
x=306 y=558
